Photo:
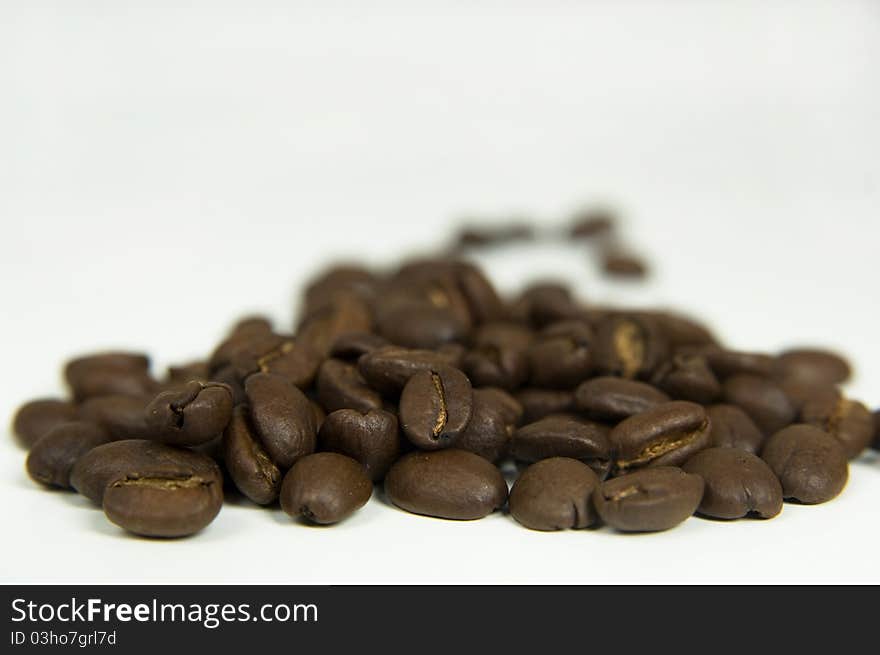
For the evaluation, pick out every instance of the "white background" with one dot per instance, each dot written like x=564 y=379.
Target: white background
x=165 y=169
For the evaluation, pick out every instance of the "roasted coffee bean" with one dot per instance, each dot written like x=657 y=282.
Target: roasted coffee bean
x=191 y=416
x=435 y=407
x=538 y=403
x=762 y=399
x=351 y=345
x=592 y=223
x=482 y=300
x=544 y=303
x=848 y=421
x=341 y=386
x=614 y=399
x=621 y=263
x=292 y=359
x=737 y=483
x=480 y=236
x=800 y=392
x=35 y=418
x=629 y=347
x=495 y=417
x=283 y=418
x=649 y=500
x=183 y=373
x=727 y=363
x=253 y=334
x=339 y=314
x=688 y=377
x=325 y=488
x=124 y=417
x=667 y=435
x=109 y=373
x=55 y=453
x=562 y=355
x=450 y=484
x=810 y=463
x=137 y=459
x=341 y=278
x=498 y=357
x=554 y=494
x=231 y=379
x=681 y=331
x=732 y=428
x=249 y=465
x=387 y=370
x=562 y=435
x=419 y=324
x=813 y=365
x=371 y=437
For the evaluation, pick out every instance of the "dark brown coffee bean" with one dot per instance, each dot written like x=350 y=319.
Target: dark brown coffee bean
x=251 y=335
x=341 y=313
x=681 y=331
x=282 y=417
x=562 y=435
x=487 y=236
x=341 y=386
x=727 y=363
x=137 y=459
x=292 y=359
x=562 y=355
x=688 y=377
x=667 y=435
x=182 y=373
x=372 y=438
x=449 y=484
x=479 y=294
x=614 y=399
x=498 y=357
x=629 y=347
x=592 y=223
x=544 y=303
x=813 y=365
x=419 y=324
x=649 y=500
x=53 y=456
x=195 y=414
x=36 y=417
x=810 y=463
x=109 y=373
x=621 y=263
x=738 y=484
x=340 y=278
x=325 y=488
x=231 y=379
x=351 y=345
x=387 y=369
x=848 y=421
x=800 y=392
x=538 y=403
x=495 y=417
x=732 y=428
x=435 y=407
x=554 y=494
x=123 y=416
x=252 y=470
x=762 y=399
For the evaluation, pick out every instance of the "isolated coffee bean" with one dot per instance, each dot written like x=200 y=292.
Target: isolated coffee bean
x=325 y=488
x=848 y=421
x=137 y=459
x=538 y=403
x=36 y=417
x=554 y=494
x=387 y=370
x=649 y=500
x=562 y=355
x=372 y=438
x=283 y=418
x=341 y=386
x=351 y=345
x=614 y=399
x=562 y=435
x=109 y=373
x=123 y=416
x=813 y=365
x=435 y=407
x=591 y=223
x=629 y=347
x=732 y=428
x=621 y=263
x=450 y=484
x=810 y=463
x=252 y=470
x=482 y=236
x=54 y=454
x=688 y=377
x=737 y=483
x=667 y=435
x=195 y=414
x=495 y=417
x=762 y=399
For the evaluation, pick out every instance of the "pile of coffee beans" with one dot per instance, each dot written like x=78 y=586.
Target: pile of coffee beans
x=426 y=380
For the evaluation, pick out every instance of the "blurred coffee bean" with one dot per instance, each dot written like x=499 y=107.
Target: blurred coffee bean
x=731 y=427
x=681 y=331
x=498 y=356
x=623 y=264
x=351 y=345
x=53 y=455
x=124 y=417
x=554 y=494
x=727 y=363
x=183 y=373
x=591 y=223
x=629 y=347
x=762 y=399
x=371 y=437
x=810 y=463
x=346 y=278
x=737 y=484
x=813 y=365
x=688 y=377
x=495 y=417
x=36 y=417
x=325 y=488
x=538 y=403
x=543 y=303
x=341 y=386
x=110 y=373
x=848 y=421
x=339 y=314
x=561 y=356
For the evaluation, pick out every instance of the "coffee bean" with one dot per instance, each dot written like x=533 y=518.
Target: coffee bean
x=666 y=435
x=562 y=355
x=732 y=428
x=450 y=484
x=341 y=386
x=614 y=399
x=371 y=437
x=251 y=335
x=498 y=357
x=481 y=236
x=688 y=377
x=562 y=435
x=737 y=483
x=538 y=403
x=282 y=417
x=810 y=463
x=762 y=399
x=681 y=331
x=554 y=494
x=351 y=345
x=108 y=373
x=649 y=500
x=193 y=415
x=435 y=407
x=292 y=359
x=800 y=391
x=813 y=365
x=592 y=223
x=325 y=488
x=482 y=300
x=36 y=417
x=347 y=278
x=621 y=263
x=848 y=421
x=123 y=416
x=420 y=325
x=52 y=457
x=495 y=417
x=629 y=347
x=387 y=369
x=544 y=303
x=252 y=470
x=183 y=373
x=727 y=363
x=339 y=314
